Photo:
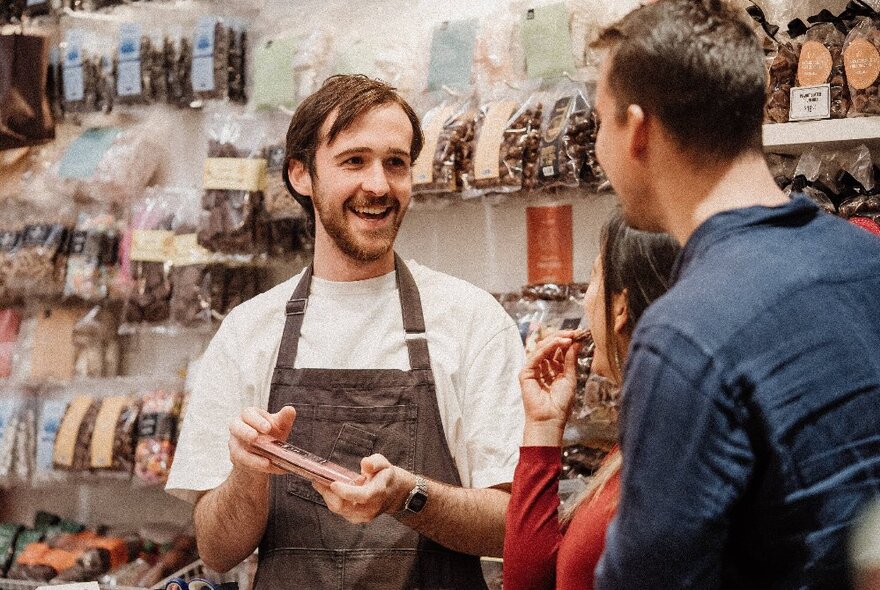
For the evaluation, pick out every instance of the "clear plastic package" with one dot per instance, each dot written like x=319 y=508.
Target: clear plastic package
x=157 y=435
x=565 y=136
x=501 y=138
x=150 y=256
x=38 y=265
x=93 y=247
x=235 y=175
x=96 y=344
x=861 y=60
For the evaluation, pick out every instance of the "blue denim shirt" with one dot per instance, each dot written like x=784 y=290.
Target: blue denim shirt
x=750 y=422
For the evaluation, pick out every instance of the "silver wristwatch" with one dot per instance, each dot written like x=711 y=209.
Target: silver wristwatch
x=418 y=497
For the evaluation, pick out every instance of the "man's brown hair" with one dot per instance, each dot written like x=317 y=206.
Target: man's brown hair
x=350 y=96
x=696 y=66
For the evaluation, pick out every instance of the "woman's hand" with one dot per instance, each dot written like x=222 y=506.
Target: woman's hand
x=548 y=383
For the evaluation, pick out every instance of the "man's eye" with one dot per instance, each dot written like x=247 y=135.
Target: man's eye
x=354 y=161
x=397 y=162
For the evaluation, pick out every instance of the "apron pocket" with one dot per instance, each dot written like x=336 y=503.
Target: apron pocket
x=355 y=433
x=352 y=445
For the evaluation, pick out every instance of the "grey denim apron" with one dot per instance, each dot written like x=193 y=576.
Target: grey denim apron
x=345 y=415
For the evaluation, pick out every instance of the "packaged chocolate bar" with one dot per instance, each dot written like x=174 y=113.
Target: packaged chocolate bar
x=303 y=463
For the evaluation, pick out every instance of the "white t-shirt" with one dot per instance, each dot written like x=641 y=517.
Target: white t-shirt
x=475 y=349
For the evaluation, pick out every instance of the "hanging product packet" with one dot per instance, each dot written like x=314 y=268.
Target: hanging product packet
x=313 y=62
x=93 y=253
x=11 y=230
x=193 y=267
x=452 y=55
x=210 y=59
x=132 y=61
x=150 y=256
x=74 y=438
x=51 y=355
x=861 y=58
x=286 y=219
x=501 y=135
x=11 y=408
x=87 y=68
x=547 y=41
x=157 y=435
x=52 y=406
x=234 y=181
x=782 y=77
x=444 y=127
x=273 y=81
x=815 y=178
x=96 y=344
x=113 y=164
x=498 y=53
x=112 y=448
x=10 y=322
x=37 y=268
x=821 y=62
x=565 y=136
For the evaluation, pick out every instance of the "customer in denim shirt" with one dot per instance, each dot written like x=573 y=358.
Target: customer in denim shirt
x=751 y=404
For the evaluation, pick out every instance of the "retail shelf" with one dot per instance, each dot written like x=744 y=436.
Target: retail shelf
x=794 y=138
x=195 y=569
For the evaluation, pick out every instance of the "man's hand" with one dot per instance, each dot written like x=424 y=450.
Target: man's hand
x=244 y=429
x=384 y=491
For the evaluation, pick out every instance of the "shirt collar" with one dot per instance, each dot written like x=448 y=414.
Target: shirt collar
x=796 y=212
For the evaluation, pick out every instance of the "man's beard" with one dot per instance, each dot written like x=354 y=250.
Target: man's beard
x=360 y=246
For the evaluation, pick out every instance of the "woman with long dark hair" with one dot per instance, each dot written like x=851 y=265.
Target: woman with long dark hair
x=542 y=548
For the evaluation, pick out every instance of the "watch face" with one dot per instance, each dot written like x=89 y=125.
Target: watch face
x=417 y=502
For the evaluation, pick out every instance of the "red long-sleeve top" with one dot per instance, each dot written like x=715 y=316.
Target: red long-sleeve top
x=537 y=552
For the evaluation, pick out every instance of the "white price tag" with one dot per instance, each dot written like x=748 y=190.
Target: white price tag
x=810 y=102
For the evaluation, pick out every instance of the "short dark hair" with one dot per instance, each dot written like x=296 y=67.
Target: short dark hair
x=639 y=262
x=695 y=65
x=350 y=96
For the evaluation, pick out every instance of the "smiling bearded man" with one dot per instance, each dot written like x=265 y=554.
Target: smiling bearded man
x=390 y=369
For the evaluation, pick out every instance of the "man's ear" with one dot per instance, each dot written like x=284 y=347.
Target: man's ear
x=620 y=312
x=300 y=179
x=637 y=126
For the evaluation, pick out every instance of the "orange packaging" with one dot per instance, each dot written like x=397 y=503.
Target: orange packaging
x=550 y=244
x=117 y=548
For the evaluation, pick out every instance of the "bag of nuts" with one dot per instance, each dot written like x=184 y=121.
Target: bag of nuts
x=861 y=59
x=40 y=261
x=150 y=256
x=232 y=221
x=113 y=442
x=501 y=136
x=782 y=76
x=74 y=438
x=565 y=137
x=192 y=269
x=447 y=126
x=821 y=62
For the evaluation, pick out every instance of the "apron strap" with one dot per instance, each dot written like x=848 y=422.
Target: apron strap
x=413 y=318
x=410 y=305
